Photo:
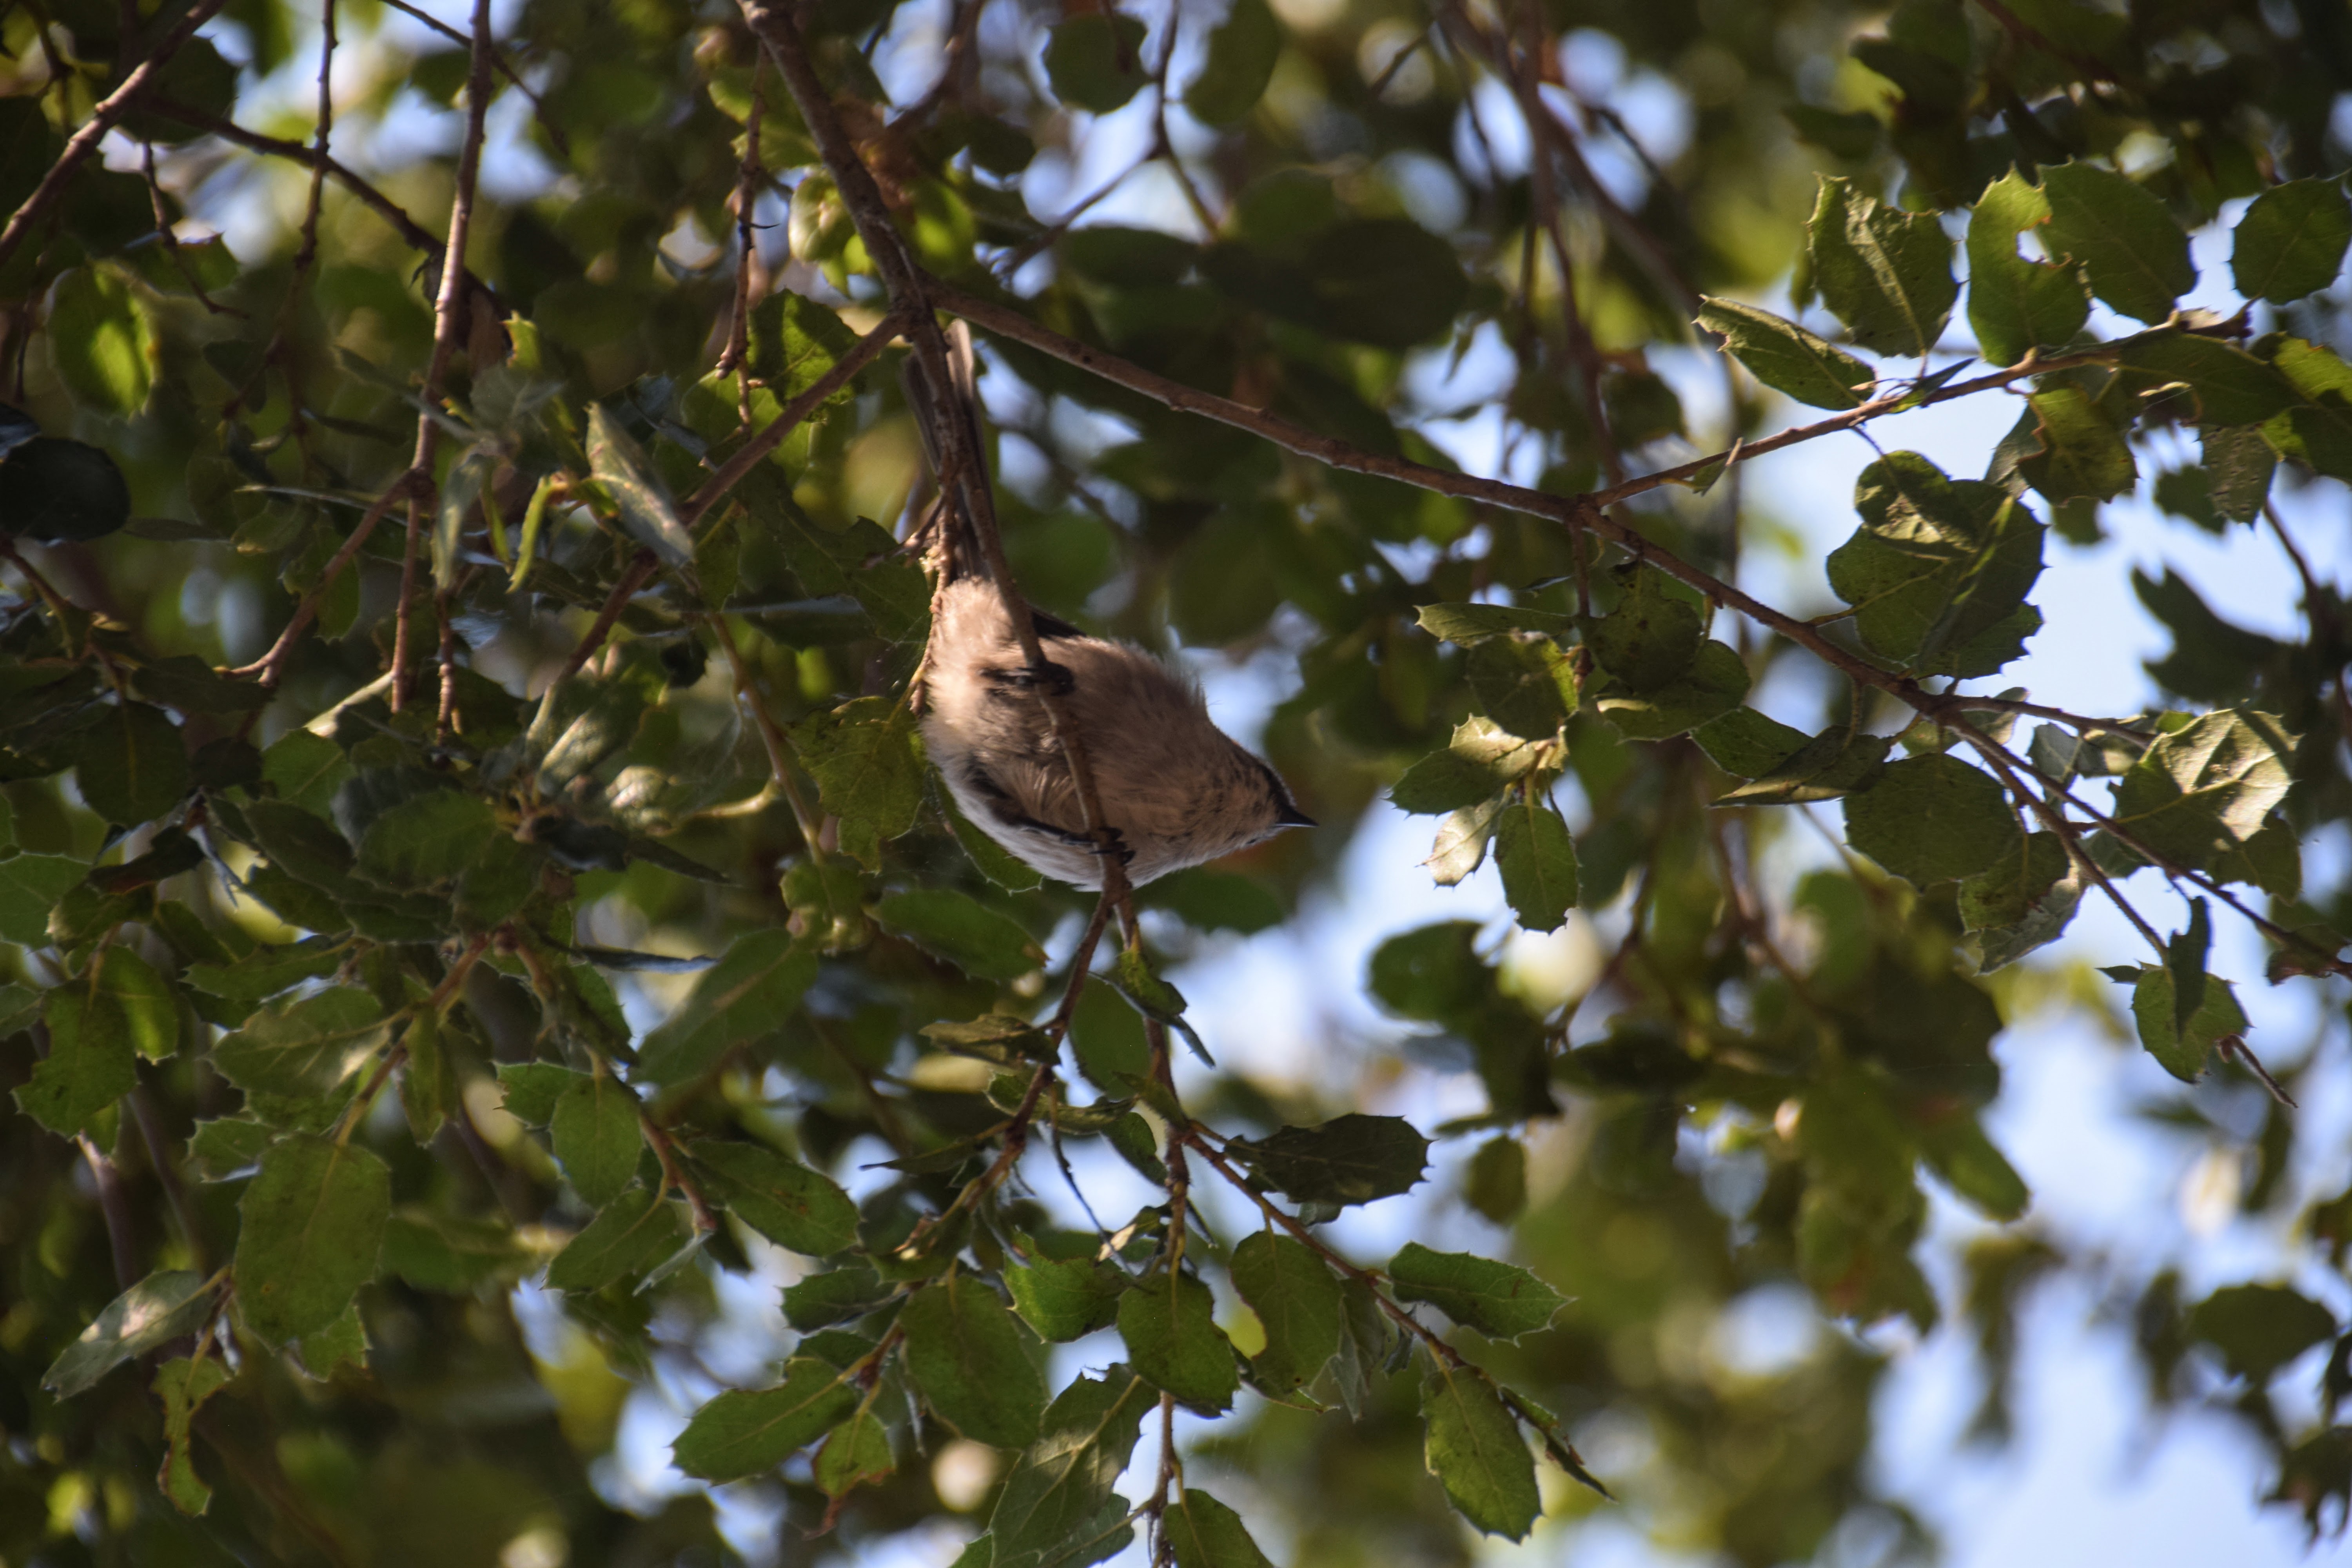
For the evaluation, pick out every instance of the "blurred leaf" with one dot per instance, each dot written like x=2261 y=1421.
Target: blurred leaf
x=132 y=767
x=619 y=466
x=748 y=994
x=1481 y=758
x=1826 y=766
x=2258 y=1329
x=307 y=1048
x=857 y=1451
x=311 y=1223
x=1204 y=1534
x=594 y=1128
x=1538 y=859
x=1470 y=624
x=91 y=1062
x=630 y=1235
x=1065 y=1298
x=159 y=1309
x=55 y=490
x=1096 y=62
x=2083 y=456
x=103 y=342
x=1932 y=818
x=1055 y=1490
x=183 y=1386
x=782 y=1199
x=1240 y=62
x=30 y=886
x=966 y=934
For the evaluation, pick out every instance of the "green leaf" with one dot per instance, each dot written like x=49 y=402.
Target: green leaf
x=91 y=1061
x=748 y=994
x=963 y=930
x=1501 y=1301
x=619 y=465
x=1932 y=818
x=1481 y=759
x=2239 y=463
x=1056 y=1490
x=782 y=1199
x=1470 y=624
x=995 y=862
x=2205 y=789
x=1351 y=1159
x=1096 y=62
x=1787 y=358
x=2015 y=305
x=183 y=1386
x=1205 y=1533
x=1475 y=1449
x=1242 y=50
x=151 y=1012
x=1536 y=857
x=1384 y=281
x=1711 y=685
x=2184 y=962
x=428 y=842
x=1297 y=1302
x=1936 y=563
x=312 y=1221
x=2083 y=456
x=2135 y=254
x=1524 y=684
x=132 y=767
x=307 y=1048
x=30 y=886
x=1967 y=1160
x=1495 y=1184
x=1170 y=1325
x=2291 y=241
x=533 y=1089
x=159 y=1309
x=1460 y=847
x=2230 y=385
x=1065 y=1298
x=964 y=1351
x=868 y=770
x=55 y=490
x=2258 y=1329
x=1886 y=274
x=746 y=1432
x=822 y=1300
x=1651 y=636
x=102 y=341
x=1825 y=766
x=858 y=1451
x=631 y=1235
x=2009 y=891
x=2182 y=1048
x=594 y=1128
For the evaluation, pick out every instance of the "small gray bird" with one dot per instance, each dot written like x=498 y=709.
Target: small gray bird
x=1175 y=789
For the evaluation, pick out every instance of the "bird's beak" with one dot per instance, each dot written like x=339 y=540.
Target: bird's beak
x=1293 y=818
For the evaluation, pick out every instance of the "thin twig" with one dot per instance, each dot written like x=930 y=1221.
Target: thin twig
x=271 y=665
x=410 y=231
x=771 y=734
x=111 y=108
x=865 y=352
x=115 y=1208
x=556 y=136
x=636 y=575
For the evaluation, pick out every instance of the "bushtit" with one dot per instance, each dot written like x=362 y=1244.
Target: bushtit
x=1175 y=790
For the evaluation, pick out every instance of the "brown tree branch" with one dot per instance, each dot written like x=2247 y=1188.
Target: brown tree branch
x=111 y=108
x=865 y=352
x=413 y=233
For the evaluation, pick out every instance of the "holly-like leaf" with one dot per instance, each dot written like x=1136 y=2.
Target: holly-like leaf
x=1932 y=818
x=1537 y=856
x=30 y=886
x=857 y=1451
x=151 y=1012
x=1352 y=1159
x=1065 y=1298
x=868 y=770
x=746 y=995
x=1524 y=684
x=1651 y=636
x=1885 y=273
x=1787 y=358
x=963 y=930
x=594 y=1128
x=2291 y=241
x=1205 y=1533
x=2231 y=387
x=2136 y=256
x=619 y=465
x=631 y=1235
x=2183 y=1048
x=1056 y=1490
x=745 y=1432
x=1501 y=1301
x=2016 y=305
x=1170 y=1325
x=55 y=490
x=1835 y=763
x=2205 y=789
x=429 y=841
x=1937 y=563
x=782 y=1199
x=1481 y=759
x=2083 y=456
x=311 y=1224
x=964 y=1352
x=159 y=1309
x=91 y=1062
x=1297 y=1302
x=1711 y=685
x=183 y=1386
x=1475 y=1449
x=132 y=767
x=1471 y=624
x=307 y=1048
